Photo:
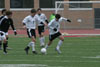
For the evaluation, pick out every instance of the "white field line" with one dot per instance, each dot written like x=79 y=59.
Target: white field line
x=81 y=34
x=96 y=57
x=45 y=61
x=22 y=65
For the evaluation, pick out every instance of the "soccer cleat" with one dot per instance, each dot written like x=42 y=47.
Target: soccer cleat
x=5 y=52
x=34 y=52
x=59 y=52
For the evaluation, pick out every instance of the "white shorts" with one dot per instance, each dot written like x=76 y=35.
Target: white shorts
x=2 y=37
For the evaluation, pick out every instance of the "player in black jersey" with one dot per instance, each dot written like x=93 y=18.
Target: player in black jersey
x=3 y=12
x=5 y=23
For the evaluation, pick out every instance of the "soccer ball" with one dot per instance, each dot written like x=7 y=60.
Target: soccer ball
x=43 y=50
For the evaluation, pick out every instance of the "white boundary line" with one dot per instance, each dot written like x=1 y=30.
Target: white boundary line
x=47 y=60
x=22 y=65
x=82 y=34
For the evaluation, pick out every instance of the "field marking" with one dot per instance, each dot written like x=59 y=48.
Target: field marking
x=45 y=61
x=22 y=65
x=92 y=57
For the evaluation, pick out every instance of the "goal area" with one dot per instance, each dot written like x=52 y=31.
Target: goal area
x=83 y=14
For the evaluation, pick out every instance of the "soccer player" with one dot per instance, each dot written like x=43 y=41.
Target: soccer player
x=54 y=26
x=3 y=12
x=5 y=23
x=41 y=26
x=29 y=23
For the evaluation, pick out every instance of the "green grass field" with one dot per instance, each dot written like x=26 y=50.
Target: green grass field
x=76 y=52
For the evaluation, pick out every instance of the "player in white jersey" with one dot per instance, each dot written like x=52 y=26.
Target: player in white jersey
x=41 y=26
x=54 y=32
x=29 y=23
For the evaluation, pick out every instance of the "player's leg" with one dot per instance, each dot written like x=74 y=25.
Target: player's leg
x=33 y=44
x=32 y=35
x=59 y=44
x=41 y=35
x=5 y=46
x=42 y=39
x=7 y=37
x=3 y=38
x=0 y=45
x=51 y=38
x=0 y=42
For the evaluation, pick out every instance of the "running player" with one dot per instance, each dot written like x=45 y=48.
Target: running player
x=54 y=26
x=29 y=23
x=41 y=26
x=5 y=23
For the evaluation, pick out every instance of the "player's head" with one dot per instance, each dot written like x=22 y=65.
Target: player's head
x=3 y=11
x=9 y=14
x=58 y=16
x=33 y=12
x=39 y=10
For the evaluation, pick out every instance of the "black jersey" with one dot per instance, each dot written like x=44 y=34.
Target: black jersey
x=1 y=17
x=5 y=23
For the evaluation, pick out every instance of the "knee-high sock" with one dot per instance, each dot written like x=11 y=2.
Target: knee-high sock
x=33 y=46
x=59 y=44
x=7 y=41
x=4 y=47
x=43 y=40
x=40 y=40
x=0 y=44
x=46 y=46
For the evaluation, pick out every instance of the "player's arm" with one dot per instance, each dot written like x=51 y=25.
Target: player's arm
x=12 y=25
x=24 y=22
x=51 y=27
x=46 y=21
x=65 y=19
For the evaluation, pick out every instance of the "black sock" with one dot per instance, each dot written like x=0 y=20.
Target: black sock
x=0 y=44
x=4 y=47
x=7 y=41
x=27 y=48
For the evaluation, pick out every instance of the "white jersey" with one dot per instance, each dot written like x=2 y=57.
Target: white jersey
x=41 y=18
x=30 y=22
x=55 y=24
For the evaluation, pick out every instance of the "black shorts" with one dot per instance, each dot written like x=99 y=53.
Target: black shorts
x=31 y=32
x=54 y=36
x=40 y=29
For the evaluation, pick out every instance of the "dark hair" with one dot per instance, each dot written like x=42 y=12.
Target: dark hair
x=58 y=16
x=4 y=10
x=39 y=9
x=8 y=13
x=33 y=11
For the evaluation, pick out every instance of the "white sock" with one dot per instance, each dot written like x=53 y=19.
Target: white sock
x=33 y=46
x=43 y=39
x=59 y=44
x=40 y=40
x=46 y=46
